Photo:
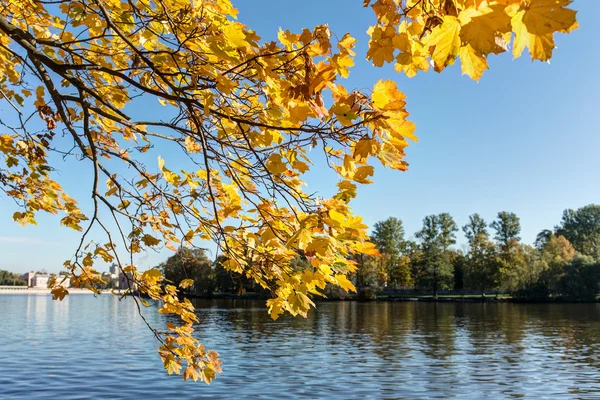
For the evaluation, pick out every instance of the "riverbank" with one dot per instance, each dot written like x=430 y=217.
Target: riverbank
x=37 y=291
x=427 y=298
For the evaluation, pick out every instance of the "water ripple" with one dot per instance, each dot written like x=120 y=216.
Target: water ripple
x=90 y=348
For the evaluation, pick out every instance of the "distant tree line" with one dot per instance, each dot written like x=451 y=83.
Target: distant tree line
x=564 y=262
x=11 y=279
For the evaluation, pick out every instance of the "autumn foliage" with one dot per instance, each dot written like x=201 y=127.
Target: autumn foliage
x=248 y=117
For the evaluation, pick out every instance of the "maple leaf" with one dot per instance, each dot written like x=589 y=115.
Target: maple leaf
x=152 y=276
x=386 y=96
x=534 y=24
x=481 y=26
x=412 y=60
x=390 y=156
x=473 y=63
x=381 y=46
x=235 y=35
x=186 y=283
x=344 y=283
x=365 y=148
x=59 y=292
x=191 y=373
x=446 y=39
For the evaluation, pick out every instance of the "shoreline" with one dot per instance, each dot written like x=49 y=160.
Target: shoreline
x=46 y=291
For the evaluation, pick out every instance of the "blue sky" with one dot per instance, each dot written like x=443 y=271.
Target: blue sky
x=524 y=139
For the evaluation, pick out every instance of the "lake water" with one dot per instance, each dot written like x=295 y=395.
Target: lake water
x=86 y=347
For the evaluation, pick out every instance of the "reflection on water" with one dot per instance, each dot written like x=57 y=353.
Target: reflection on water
x=86 y=347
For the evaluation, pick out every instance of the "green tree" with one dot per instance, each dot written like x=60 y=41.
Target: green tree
x=11 y=279
x=530 y=283
x=511 y=254
x=190 y=264
x=475 y=227
x=581 y=280
x=447 y=229
x=369 y=277
x=581 y=227
x=388 y=237
x=482 y=267
x=436 y=237
x=507 y=227
x=225 y=281
x=542 y=238
x=415 y=255
x=459 y=266
x=513 y=262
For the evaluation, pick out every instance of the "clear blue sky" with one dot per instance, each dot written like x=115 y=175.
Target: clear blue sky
x=524 y=139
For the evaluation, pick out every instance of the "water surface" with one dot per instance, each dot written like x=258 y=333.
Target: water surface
x=86 y=347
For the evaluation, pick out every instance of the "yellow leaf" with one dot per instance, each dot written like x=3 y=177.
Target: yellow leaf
x=234 y=33
x=276 y=165
x=482 y=25
x=386 y=96
x=39 y=93
x=446 y=39
x=88 y=261
x=186 y=283
x=150 y=240
x=534 y=24
x=346 y=44
x=275 y=308
x=172 y=366
x=337 y=216
x=344 y=283
x=367 y=248
x=300 y=239
x=191 y=373
x=473 y=64
x=392 y=157
x=365 y=148
x=59 y=293
x=362 y=173
x=381 y=45
x=344 y=113
x=191 y=145
x=152 y=276
x=412 y=61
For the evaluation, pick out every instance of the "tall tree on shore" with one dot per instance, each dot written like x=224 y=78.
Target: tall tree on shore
x=482 y=267
x=556 y=254
x=511 y=256
x=109 y=85
x=581 y=228
x=436 y=237
x=190 y=264
x=388 y=237
x=475 y=227
x=507 y=227
x=542 y=238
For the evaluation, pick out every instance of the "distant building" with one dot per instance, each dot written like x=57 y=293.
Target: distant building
x=115 y=271
x=28 y=277
x=40 y=281
x=124 y=281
